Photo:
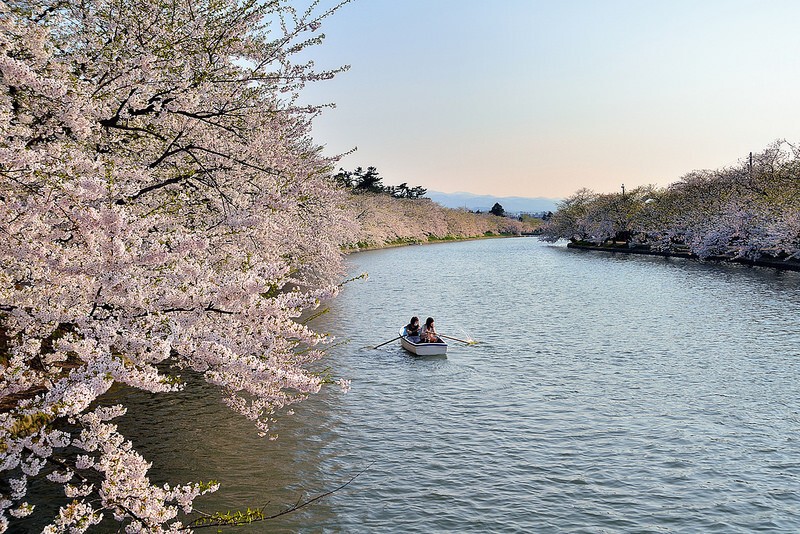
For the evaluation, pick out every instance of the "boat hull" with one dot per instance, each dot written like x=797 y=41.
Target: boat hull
x=423 y=349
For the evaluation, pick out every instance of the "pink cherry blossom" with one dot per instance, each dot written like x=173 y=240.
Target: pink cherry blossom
x=163 y=208
x=749 y=211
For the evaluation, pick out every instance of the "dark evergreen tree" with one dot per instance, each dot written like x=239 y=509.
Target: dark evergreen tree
x=417 y=192
x=344 y=179
x=361 y=181
x=368 y=181
x=498 y=210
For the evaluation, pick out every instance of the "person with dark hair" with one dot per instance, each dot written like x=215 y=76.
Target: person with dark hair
x=412 y=328
x=428 y=333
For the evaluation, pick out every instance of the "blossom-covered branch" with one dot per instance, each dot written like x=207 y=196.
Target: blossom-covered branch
x=162 y=207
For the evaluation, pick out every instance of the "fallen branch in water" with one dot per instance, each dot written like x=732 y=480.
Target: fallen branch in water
x=239 y=517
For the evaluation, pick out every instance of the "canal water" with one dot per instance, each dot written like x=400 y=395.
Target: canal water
x=607 y=393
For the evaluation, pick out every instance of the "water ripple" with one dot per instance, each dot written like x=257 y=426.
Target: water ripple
x=607 y=394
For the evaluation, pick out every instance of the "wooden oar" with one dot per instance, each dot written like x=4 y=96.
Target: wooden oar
x=385 y=342
x=456 y=339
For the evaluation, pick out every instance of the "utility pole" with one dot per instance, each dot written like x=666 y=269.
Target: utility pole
x=623 y=190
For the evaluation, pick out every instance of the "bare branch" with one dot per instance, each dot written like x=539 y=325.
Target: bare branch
x=214 y=521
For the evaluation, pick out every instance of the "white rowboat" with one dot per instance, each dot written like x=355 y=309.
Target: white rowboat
x=412 y=345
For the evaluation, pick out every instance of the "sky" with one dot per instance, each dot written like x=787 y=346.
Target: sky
x=541 y=98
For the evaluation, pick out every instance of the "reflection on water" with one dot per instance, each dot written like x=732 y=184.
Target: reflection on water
x=608 y=393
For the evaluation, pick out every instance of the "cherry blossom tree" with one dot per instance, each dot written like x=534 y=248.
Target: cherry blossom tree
x=568 y=222
x=748 y=211
x=162 y=207
x=384 y=220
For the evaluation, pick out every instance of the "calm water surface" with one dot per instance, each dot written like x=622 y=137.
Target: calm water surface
x=608 y=393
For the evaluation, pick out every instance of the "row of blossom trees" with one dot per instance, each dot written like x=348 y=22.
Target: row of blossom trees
x=750 y=211
x=383 y=219
x=162 y=207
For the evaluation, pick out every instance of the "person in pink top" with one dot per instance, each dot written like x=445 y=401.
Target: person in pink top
x=428 y=333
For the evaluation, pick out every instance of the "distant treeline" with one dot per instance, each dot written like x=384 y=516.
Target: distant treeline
x=750 y=211
x=383 y=220
x=370 y=181
x=390 y=215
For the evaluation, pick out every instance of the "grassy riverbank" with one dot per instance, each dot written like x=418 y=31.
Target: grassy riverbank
x=383 y=221
x=362 y=247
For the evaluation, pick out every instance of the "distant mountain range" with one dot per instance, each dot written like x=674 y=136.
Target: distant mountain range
x=485 y=202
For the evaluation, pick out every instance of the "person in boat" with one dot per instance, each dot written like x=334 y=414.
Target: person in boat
x=412 y=328
x=428 y=333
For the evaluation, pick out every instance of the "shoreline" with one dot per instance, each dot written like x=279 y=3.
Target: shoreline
x=773 y=264
x=427 y=242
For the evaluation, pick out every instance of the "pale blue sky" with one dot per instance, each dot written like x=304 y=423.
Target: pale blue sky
x=540 y=98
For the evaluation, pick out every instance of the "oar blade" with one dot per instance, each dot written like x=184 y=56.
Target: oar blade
x=471 y=342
